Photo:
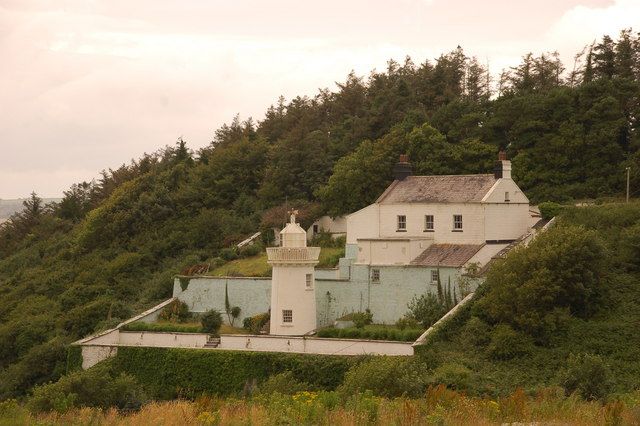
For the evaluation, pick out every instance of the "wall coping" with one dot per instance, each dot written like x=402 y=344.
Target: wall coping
x=220 y=277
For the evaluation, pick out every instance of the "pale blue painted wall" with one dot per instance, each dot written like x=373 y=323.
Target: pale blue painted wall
x=335 y=297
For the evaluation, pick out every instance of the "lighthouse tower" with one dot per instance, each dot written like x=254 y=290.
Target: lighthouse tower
x=293 y=296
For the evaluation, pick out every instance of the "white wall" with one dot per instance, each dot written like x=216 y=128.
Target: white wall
x=335 y=226
x=314 y=345
x=363 y=224
x=472 y=220
x=289 y=291
x=506 y=221
x=391 y=251
x=162 y=339
x=91 y=355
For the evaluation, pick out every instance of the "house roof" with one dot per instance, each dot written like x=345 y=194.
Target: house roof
x=438 y=189
x=446 y=255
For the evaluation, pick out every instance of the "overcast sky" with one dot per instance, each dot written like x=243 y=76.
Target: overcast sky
x=89 y=84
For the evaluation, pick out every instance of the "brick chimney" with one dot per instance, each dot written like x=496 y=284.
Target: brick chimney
x=402 y=169
x=503 y=166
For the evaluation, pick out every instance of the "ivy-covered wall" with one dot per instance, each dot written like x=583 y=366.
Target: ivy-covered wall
x=168 y=373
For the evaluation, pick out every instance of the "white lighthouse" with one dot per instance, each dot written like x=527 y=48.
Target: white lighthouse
x=293 y=296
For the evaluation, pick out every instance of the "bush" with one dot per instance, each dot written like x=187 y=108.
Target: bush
x=586 y=374
x=90 y=388
x=256 y=322
x=160 y=327
x=284 y=383
x=506 y=343
x=176 y=311
x=452 y=375
x=426 y=309
x=385 y=376
x=360 y=319
x=250 y=250
x=476 y=332
x=211 y=322
x=229 y=253
x=407 y=322
x=549 y=209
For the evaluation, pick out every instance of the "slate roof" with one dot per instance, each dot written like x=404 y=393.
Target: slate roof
x=438 y=189
x=446 y=255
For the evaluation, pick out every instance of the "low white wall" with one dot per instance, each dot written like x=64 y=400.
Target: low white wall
x=162 y=339
x=91 y=355
x=313 y=345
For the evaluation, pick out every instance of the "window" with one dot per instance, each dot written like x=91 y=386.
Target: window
x=506 y=196
x=287 y=315
x=428 y=223
x=402 y=223
x=375 y=275
x=457 y=222
x=309 y=281
x=434 y=275
x=315 y=229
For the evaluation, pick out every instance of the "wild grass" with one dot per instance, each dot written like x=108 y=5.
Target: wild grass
x=438 y=406
x=187 y=327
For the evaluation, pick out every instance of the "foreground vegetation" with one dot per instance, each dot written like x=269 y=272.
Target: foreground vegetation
x=438 y=406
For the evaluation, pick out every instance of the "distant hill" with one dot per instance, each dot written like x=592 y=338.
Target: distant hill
x=9 y=207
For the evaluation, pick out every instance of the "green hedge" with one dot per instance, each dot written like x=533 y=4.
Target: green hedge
x=174 y=327
x=372 y=334
x=74 y=358
x=168 y=373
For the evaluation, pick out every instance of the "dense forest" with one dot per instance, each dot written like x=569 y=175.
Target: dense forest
x=111 y=246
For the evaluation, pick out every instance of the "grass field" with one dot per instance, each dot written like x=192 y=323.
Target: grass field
x=257 y=266
x=439 y=406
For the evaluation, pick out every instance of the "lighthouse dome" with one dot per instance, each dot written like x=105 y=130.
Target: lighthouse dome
x=293 y=235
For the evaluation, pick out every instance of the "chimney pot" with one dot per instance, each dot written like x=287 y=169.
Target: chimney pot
x=402 y=168
x=502 y=155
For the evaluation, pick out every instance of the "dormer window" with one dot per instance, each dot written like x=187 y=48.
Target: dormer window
x=402 y=223
x=457 y=223
x=506 y=197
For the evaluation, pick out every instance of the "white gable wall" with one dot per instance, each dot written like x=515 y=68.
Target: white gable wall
x=505 y=221
x=363 y=224
x=497 y=193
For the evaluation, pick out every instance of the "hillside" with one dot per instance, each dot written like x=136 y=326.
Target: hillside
x=111 y=248
x=534 y=353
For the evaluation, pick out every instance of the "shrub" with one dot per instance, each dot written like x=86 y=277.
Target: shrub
x=162 y=326
x=452 y=375
x=90 y=388
x=586 y=374
x=476 y=332
x=284 y=383
x=229 y=253
x=251 y=250
x=549 y=209
x=385 y=376
x=407 y=322
x=426 y=309
x=506 y=343
x=211 y=322
x=360 y=319
x=176 y=311
x=256 y=322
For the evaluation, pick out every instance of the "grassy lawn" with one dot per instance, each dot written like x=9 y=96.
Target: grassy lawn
x=179 y=327
x=257 y=266
x=372 y=332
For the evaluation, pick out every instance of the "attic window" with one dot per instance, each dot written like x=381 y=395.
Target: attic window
x=457 y=223
x=402 y=223
x=506 y=196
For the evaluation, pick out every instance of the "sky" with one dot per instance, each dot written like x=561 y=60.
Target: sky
x=86 y=85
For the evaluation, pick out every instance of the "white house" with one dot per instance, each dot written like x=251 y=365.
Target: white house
x=435 y=221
